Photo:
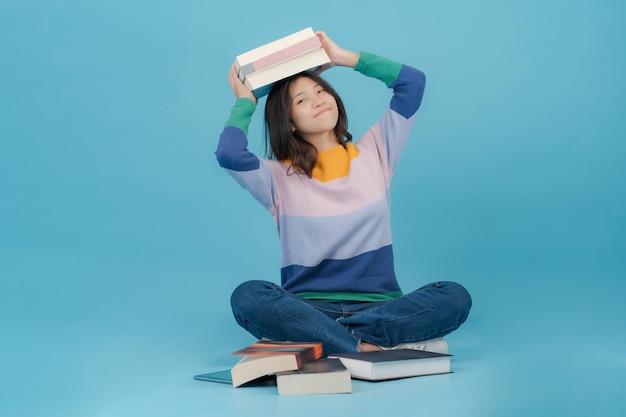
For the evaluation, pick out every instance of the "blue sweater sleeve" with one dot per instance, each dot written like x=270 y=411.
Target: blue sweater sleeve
x=232 y=153
x=407 y=82
x=388 y=137
x=232 y=150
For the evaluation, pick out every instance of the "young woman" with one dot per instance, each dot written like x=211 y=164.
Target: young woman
x=330 y=201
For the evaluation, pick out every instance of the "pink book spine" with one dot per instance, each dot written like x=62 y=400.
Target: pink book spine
x=280 y=56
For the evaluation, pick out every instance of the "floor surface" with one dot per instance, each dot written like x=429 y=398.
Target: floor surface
x=520 y=354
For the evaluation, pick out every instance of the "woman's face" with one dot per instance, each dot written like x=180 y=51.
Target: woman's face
x=313 y=110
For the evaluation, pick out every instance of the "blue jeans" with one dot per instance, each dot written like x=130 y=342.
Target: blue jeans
x=266 y=310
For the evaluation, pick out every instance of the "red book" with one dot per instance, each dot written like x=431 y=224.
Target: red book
x=268 y=357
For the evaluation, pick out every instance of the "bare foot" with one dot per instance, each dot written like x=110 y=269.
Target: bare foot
x=368 y=347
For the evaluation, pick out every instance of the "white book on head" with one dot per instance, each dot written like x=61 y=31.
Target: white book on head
x=274 y=46
x=308 y=61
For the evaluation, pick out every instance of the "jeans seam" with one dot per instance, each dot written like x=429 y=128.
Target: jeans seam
x=410 y=315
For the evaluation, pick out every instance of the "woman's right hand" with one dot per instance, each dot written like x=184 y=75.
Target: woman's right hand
x=239 y=88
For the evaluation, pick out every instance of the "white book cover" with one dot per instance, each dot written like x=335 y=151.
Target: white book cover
x=274 y=46
x=293 y=66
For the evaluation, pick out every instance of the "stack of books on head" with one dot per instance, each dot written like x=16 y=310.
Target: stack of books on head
x=295 y=368
x=261 y=67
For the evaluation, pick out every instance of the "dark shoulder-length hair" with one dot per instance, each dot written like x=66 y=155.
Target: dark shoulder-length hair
x=284 y=145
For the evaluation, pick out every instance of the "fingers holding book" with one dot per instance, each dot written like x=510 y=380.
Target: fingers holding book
x=239 y=88
x=338 y=56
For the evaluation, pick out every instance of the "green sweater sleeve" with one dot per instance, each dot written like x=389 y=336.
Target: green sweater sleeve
x=378 y=67
x=241 y=114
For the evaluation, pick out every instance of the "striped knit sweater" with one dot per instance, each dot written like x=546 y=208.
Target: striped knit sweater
x=334 y=228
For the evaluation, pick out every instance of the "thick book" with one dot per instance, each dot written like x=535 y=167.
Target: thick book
x=261 y=67
x=275 y=52
x=260 y=82
x=268 y=357
x=322 y=376
x=394 y=364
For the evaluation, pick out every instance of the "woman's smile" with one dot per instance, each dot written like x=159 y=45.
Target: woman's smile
x=323 y=111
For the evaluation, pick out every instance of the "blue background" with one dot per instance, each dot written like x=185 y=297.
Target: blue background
x=121 y=239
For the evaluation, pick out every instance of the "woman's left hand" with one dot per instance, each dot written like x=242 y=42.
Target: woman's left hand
x=338 y=56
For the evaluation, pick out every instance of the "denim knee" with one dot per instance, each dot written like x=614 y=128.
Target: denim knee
x=250 y=295
x=460 y=299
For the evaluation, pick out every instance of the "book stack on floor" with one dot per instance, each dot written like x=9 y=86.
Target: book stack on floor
x=295 y=368
x=261 y=67
x=299 y=368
